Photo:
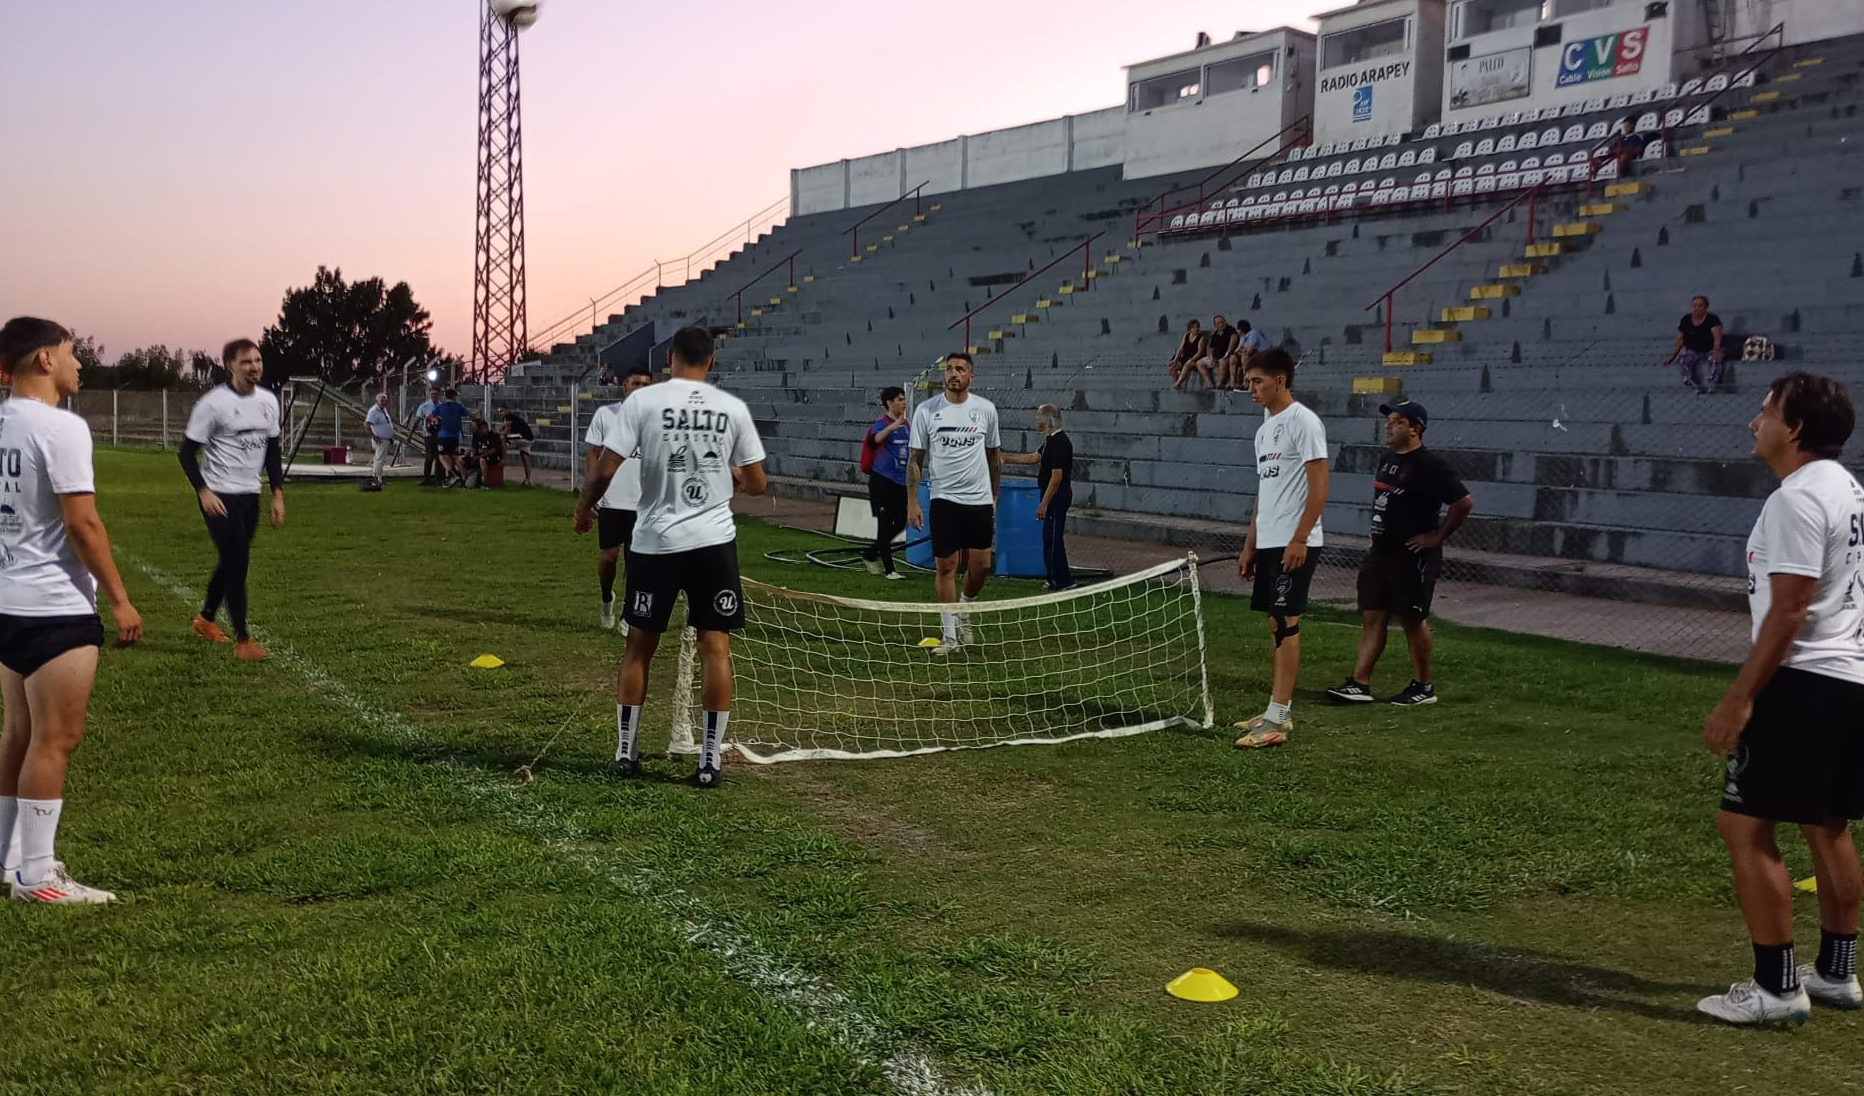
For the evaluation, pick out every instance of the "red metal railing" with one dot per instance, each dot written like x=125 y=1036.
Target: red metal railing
x=789 y=260
x=651 y=277
x=1530 y=196
x=1087 y=263
x=1145 y=219
x=854 y=230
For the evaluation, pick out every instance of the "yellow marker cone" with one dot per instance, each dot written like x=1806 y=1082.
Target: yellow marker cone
x=487 y=662
x=1200 y=984
x=1809 y=885
x=929 y=641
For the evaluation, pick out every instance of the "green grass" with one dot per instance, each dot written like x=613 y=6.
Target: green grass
x=1516 y=891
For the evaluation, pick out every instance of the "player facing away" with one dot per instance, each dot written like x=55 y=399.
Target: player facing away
x=956 y=446
x=1279 y=553
x=232 y=431
x=695 y=443
x=1790 y=723
x=54 y=553
x=615 y=513
x=1399 y=574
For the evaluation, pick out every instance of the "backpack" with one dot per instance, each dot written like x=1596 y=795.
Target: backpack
x=869 y=447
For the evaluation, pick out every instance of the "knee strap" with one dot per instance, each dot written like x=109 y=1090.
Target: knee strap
x=1284 y=630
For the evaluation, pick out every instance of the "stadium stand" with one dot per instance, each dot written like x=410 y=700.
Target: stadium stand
x=1544 y=389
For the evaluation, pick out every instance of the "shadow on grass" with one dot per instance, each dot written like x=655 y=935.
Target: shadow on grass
x=1523 y=975
x=499 y=762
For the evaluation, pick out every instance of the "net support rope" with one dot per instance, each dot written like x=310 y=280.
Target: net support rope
x=823 y=677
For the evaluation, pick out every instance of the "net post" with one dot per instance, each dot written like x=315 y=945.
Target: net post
x=1203 y=654
x=681 y=741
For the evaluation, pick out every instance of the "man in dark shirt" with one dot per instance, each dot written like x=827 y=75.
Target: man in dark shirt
x=517 y=436
x=488 y=452
x=1400 y=569
x=1222 y=352
x=1054 y=459
x=1698 y=339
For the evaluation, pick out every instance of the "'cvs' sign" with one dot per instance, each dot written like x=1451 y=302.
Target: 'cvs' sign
x=1601 y=58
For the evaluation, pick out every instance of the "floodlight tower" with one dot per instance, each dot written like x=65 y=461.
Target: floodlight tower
x=499 y=334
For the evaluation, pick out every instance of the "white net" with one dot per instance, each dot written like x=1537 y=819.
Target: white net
x=826 y=677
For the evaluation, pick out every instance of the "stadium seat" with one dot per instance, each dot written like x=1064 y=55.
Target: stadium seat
x=1592 y=105
x=1463 y=151
x=1254 y=180
x=1647 y=120
x=1464 y=172
x=1531 y=174
x=1506 y=143
x=1388 y=161
x=1618 y=102
x=1485 y=147
x=1550 y=136
x=1236 y=214
x=1654 y=150
x=1508 y=176
x=1512 y=118
x=1485 y=169
x=1574 y=134
x=1579 y=169
x=1673 y=117
x=1358 y=145
x=1690 y=87
x=1428 y=156
x=1572 y=109
x=1644 y=96
x=1286 y=176
x=1300 y=174
x=1422 y=177
x=1598 y=131
x=1485 y=184
x=1432 y=130
x=1178 y=221
x=1451 y=129
x=1352 y=166
x=1698 y=116
x=1554 y=160
x=1668 y=92
x=1746 y=79
x=1531 y=115
x=1407 y=158
x=1462 y=187
x=1401 y=194
x=1335 y=168
x=1528 y=140
x=1607 y=170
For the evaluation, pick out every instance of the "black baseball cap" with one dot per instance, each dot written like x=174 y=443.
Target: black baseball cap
x=1419 y=417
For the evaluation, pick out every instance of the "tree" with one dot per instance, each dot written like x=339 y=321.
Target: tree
x=147 y=369
x=347 y=332
x=90 y=355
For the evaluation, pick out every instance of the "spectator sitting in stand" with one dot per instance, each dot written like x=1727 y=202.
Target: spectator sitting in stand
x=1190 y=356
x=1698 y=339
x=1626 y=146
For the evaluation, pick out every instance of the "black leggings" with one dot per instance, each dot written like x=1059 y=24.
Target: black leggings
x=232 y=535
x=888 y=501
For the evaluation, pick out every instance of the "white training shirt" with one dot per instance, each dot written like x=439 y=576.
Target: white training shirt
x=1284 y=445
x=45 y=452
x=624 y=491
x=232 y=430
x=689 y=436
x=955 y=437
x=1813 y=525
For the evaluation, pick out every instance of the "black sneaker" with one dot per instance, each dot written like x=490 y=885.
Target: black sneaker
x=707 y=777
x=1414 y=694
x=625 y=768
x=1350 y=692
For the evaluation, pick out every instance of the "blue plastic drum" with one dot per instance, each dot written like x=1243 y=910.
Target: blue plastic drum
x=1019 y=534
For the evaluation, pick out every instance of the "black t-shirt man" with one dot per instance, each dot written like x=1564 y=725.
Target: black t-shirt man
x=1057 y=453
x=1223 y=342
x=1699 y=337
x=519 y=428
x=1409 y=494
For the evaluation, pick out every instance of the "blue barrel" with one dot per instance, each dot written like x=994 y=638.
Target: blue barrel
x=1019 y=534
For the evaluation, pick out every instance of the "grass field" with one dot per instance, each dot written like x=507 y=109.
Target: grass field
x=332 y=885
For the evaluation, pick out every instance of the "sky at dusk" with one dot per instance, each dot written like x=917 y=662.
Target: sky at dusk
x=176 y=166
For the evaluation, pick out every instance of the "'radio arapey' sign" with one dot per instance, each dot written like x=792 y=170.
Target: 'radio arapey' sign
x=1620 y=53
x=1360 y=82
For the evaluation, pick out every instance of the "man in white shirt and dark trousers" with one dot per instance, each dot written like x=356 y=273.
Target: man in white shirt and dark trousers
x=1284 y=532
x=381 y=436
x=54 y=553
x=1792 y=723
x=615 y=514
x=232 y=431
x=955 y=442
x=695 y=443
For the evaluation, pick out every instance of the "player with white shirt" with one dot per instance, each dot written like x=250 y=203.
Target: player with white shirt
x=1792 y=724
x=54 y=553
x=955 y=445
x=235 y=428
x=615 y=514
x=695 y=443
x=1281 y=550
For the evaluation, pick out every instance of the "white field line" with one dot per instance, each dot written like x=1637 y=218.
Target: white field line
x=821 y=1005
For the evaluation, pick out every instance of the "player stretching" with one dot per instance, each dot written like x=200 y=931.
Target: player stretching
x=955 y=444
x=1789 y=725
x=615 y=514
x=694 y=442
x=1291 y=491
x=236 y=426
x=53 y=554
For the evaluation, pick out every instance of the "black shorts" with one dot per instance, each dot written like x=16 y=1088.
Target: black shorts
x=28 y=643
x=1399 y=582
x=449 y=447
x=1801 y=756
x=1278 y=592
x=956 y=527
x=709 y=576
x=614 y=528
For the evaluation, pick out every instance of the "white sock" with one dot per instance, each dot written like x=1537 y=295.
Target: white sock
x=9 y=839
x=627 y=724
x=38 y=831
x=948 y=626
x=1278 y=713
x=967 y=597
x=713 y=746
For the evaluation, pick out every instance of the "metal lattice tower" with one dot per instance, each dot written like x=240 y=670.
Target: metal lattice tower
x=499 y=336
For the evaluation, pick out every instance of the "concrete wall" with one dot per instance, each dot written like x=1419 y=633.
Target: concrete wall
x=939 y=166
x=1099 y=138
x=814 y=189
x=1022 y=152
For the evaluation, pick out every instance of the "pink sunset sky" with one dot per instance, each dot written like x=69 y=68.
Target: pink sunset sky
x=174 y=167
